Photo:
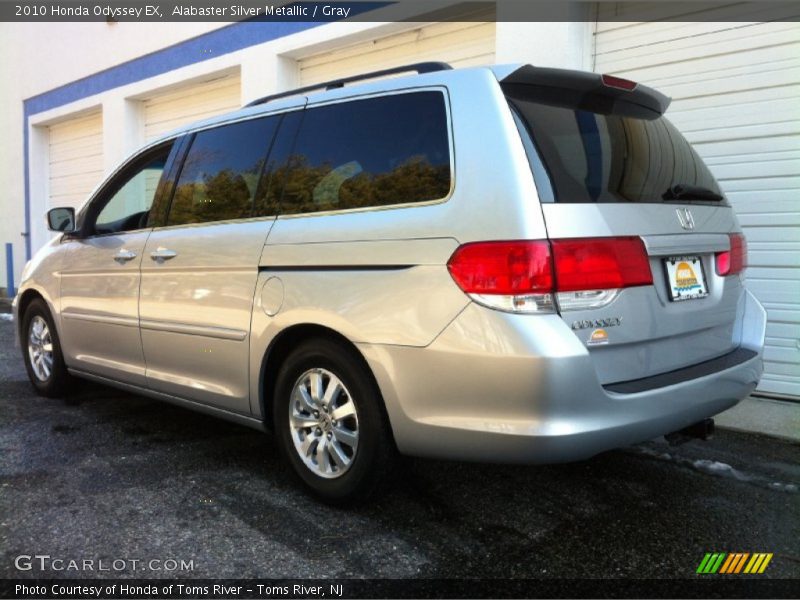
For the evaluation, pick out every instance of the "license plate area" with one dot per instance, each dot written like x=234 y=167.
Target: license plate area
x=686 y=279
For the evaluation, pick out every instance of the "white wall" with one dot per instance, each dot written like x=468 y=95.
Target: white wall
x=41 y=57
x=38 y=57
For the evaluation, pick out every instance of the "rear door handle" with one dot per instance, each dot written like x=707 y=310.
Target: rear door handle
x=161 y=254
x=124 y=256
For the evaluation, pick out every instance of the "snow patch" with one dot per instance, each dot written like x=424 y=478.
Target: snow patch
x=716 y=468
x=6 y=317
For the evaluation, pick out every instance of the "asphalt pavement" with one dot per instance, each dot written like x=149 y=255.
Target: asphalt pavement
x=105 y=475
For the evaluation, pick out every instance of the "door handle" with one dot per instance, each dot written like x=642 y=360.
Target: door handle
x=124 y=256
x=161 y=254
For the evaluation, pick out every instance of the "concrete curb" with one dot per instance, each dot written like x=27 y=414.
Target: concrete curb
x=776 y=418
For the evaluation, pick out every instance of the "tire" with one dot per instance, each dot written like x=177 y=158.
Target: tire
x=39 y=340
x=342 y=458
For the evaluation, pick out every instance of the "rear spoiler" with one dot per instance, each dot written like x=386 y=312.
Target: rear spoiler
x=582 y=90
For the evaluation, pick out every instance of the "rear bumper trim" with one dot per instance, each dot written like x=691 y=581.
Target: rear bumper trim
x=645 y=384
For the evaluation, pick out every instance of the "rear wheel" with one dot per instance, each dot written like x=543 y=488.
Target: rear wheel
x=330 y=422
x=41 y=351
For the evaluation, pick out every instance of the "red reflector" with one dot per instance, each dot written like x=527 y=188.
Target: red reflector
x=600 y=263
x=735 y=260
x=618 y=83
x=507 y=268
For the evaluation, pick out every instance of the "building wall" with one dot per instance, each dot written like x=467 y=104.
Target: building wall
x=735 y=89
x=66 y=71
x=38 y=57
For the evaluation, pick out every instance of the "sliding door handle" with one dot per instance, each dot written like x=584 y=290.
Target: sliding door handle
x=161 y=254
x=124 y=256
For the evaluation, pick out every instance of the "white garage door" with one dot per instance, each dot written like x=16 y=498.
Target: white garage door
x=192 y=102
x=76 y=159
x=736 y=96
x=460 y=44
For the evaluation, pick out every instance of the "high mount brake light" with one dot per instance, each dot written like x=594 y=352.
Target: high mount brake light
x=618 y=83
x=524 y=275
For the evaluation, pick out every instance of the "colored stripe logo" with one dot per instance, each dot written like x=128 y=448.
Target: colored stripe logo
x=734 y=563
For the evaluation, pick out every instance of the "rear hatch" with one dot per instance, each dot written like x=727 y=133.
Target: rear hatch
x=648 y=275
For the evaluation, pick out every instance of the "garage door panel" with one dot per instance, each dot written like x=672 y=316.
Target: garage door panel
x=79 y=164
x=653 y=40
x=784 y=334
x=399 y=42
x=768 y=131
x=747 y=76
x=775 y=204
x=762 y=168
x=749 y=100
x=776 y=292
x=774 y=110
x=701 y=54
x=748 y=158
x=75 y=159
x=782 y=354
x=765 y=184
x=459 y=43
x=721 y=83
x=765 y=219
x=711 y=148
x=785 y=386
x=736 y=96
x=772 y=255
x=167 y=111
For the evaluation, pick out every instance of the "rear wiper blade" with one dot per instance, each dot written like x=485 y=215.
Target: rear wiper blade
x=684 y=191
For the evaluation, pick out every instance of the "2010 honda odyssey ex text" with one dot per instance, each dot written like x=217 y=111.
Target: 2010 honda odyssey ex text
x=511 y=263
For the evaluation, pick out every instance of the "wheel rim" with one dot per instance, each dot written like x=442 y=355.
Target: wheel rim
x=323 y=421
x=40 y=348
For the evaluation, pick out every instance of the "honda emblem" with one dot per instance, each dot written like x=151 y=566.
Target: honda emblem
x=685 y=217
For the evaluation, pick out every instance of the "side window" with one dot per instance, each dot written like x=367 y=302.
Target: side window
x=221 y=173
x=373 y=152
x=132 y=195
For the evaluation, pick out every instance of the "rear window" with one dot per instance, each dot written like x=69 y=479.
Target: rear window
x=580 y=156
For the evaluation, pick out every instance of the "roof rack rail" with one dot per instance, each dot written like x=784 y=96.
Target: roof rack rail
x=420 y=68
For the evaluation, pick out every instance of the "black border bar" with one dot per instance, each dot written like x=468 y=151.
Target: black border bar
x=708 y=586
x=269 y=11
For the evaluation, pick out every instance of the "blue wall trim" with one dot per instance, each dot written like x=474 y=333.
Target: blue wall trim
x=204 y=47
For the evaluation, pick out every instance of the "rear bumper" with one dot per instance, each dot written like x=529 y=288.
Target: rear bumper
x=521 y=388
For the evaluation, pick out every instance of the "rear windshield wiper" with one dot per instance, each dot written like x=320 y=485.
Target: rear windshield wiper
x=684 y=191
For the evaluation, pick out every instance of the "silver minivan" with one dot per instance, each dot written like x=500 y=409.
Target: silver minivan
x=507 y=263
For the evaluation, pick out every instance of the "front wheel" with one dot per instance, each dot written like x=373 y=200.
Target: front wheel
x=41 y=351
x=330 y=422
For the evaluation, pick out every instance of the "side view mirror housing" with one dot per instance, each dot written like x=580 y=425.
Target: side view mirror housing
x=61 y=219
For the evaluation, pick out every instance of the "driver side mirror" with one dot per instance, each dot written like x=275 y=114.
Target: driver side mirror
x=61 y=219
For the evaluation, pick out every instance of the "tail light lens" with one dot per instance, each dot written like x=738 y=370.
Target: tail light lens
x=601 y=263
x=733 y=261
x=516 y=276
x=524 y=276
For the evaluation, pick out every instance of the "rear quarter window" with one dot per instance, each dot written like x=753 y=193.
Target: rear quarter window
x=364 y=153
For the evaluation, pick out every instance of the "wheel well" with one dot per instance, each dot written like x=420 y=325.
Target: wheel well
x=25 y=299
x=279 y=349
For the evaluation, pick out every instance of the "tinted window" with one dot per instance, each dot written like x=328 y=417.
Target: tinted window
x=221 y=173
x=128 y=206
x=593 y=157
x=374 y=152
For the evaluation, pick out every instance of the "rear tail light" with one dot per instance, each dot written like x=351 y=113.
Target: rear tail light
x=734 y=260
x=524 y=276
x=514 y=276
